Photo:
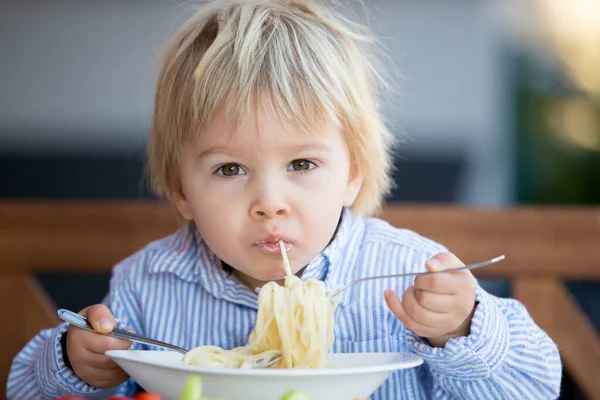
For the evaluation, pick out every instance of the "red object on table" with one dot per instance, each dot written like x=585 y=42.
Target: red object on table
x=147 y=396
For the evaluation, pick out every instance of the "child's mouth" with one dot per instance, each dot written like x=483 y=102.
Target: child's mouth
x=272 y=247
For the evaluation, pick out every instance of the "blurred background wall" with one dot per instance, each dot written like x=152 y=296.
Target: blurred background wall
x=496 y=101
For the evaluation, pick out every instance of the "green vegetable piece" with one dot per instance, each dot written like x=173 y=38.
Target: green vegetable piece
x=192 y=390
x=295 y=395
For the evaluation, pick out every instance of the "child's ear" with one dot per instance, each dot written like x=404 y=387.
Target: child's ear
x=355 y=182
x=181 y=201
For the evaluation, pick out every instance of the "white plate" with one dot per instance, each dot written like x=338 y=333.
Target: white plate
x=351 y=375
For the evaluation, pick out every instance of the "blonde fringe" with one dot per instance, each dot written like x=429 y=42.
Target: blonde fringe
x=302 y=61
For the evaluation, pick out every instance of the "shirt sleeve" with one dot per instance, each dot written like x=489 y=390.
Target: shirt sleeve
x=506 y=355
x=39 y=370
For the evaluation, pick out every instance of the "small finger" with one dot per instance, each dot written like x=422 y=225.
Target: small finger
x=437 y=283
x=443 y=261
x=101 y=318
x=447 y=282
x=434 y=302
x=395 y=305
x=99 y=361
x=99 y=344
x=418 y=313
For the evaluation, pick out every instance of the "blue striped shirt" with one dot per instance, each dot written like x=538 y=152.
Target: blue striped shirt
x=175 y=290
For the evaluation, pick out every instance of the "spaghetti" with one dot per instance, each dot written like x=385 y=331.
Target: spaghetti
x=294 y=320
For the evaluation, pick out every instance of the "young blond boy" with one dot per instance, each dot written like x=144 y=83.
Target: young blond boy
x=267 y=128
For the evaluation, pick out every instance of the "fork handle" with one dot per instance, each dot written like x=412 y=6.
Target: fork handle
x=83 y=323
x=470 y=266
x=404 y=275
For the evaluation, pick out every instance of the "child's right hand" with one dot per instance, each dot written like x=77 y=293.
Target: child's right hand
x=86 y=349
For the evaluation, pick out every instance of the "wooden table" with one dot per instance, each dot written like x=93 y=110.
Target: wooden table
x=543 y=246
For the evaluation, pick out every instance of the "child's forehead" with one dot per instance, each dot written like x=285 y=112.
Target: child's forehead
x=260 y=124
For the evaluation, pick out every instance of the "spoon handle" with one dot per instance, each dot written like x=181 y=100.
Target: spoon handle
x=82 y=322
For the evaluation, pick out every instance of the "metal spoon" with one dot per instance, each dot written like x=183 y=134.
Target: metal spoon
x=471 y=266
x=82 y=322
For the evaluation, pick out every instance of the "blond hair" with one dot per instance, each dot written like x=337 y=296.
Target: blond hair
x=302 y=61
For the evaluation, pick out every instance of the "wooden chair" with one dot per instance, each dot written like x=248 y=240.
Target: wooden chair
x=543 y=246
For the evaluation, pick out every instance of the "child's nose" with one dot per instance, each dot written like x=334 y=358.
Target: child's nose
x=267 y=214
x=269 y=205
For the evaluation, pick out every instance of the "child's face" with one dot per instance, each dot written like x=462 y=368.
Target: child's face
x=248 y=186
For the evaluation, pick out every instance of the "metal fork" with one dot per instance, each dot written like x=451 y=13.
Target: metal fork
x=83 y=323
x=370 y=278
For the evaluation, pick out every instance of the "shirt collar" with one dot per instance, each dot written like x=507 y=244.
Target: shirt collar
x=176 y=254
x=186 y=255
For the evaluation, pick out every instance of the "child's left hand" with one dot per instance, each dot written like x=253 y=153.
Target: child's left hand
x=438 y=307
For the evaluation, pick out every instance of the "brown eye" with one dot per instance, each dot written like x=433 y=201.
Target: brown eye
x=301 y=165
x=231 y=170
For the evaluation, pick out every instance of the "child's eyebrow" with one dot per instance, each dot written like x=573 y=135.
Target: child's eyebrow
x=291 y=149
x=311 y=146
x=216 y=150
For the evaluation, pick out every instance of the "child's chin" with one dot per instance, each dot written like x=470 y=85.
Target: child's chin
x=271 y=276
x=274 y=278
